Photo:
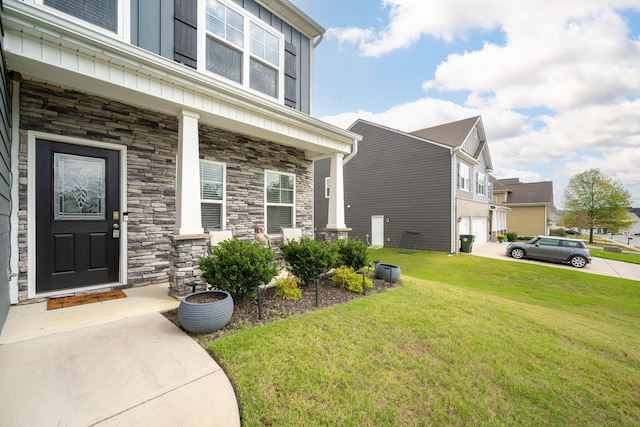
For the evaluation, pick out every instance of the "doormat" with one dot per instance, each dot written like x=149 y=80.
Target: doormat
x=56 y=303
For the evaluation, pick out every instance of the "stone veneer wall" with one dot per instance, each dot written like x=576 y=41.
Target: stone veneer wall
x=152 y=140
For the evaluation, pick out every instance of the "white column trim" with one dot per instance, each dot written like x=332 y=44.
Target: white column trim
x=188 y=215
x=336 y=194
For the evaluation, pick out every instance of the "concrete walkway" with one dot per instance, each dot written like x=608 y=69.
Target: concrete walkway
x=117 y=363
x=600 y=266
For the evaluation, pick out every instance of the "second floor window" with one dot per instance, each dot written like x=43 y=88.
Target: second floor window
x=481 y=184
x=243 y=50
x=102 y=13
x=463 y=176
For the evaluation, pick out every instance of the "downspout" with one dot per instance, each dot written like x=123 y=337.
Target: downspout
x=454 y=214
x=354 y=151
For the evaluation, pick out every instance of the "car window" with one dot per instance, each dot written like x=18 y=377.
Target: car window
x=548 y=242
x=571 y=244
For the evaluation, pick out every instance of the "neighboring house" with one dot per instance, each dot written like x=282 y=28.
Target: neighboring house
x=531 y=205
x=139 y=125
x=434 y=181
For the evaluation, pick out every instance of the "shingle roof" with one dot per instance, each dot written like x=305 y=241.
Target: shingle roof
x=452 y=134
x=525 y=192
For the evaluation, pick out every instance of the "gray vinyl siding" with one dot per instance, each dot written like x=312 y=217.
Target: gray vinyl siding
x=154 y=28
x=5 y=183
x=403 y=178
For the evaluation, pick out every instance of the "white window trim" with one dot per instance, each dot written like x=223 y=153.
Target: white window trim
x=327 y=187
x=246 y=54
x=267 y=204
x=123 y=15
x=223 y=202
x=463 y=178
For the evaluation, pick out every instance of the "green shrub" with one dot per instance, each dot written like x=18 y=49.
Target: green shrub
x=501 y=237
x=512 y=236
x=352 y=253
x=347 y=278
x=237 y=266
x=525 y=238
x=288 y=288
x=308 y=258
x=557 y=232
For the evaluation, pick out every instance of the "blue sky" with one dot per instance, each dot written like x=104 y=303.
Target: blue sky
x=557 y=85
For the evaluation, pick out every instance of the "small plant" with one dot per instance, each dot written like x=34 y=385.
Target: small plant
x=288 y=288
x=501 y=237
x=512 y=236
x=308 y=258
x=238 y=266
x=352 y=253
x=347 y=278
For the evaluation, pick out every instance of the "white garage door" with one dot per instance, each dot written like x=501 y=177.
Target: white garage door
x=479 y=230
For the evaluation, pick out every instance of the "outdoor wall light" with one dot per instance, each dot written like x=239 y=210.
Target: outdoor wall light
x=459 y=219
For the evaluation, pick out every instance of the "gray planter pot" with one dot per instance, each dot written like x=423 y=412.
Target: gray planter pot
x=203 y=318
x=387 y=272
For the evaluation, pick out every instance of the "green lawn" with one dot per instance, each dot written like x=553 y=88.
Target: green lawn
x=463 y=340
x=633 y=258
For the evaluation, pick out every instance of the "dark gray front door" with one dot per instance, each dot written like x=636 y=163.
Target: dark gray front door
x=77 y=212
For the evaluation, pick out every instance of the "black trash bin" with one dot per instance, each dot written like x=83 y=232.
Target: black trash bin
x=466 y=242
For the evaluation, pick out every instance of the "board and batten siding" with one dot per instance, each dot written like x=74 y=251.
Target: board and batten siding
x=403 y=178
x=5 y=183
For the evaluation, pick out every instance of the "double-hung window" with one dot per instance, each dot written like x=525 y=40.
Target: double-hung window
x=241 y=48
x=280 y=195
x=327 y=187
x=463 y=176
x=109 y=15
x=481 y=183
x=212 y=194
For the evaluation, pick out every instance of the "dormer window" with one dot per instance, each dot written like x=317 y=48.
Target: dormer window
x=243 y=50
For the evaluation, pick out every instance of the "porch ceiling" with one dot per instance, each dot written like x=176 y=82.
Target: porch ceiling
x=45 y=48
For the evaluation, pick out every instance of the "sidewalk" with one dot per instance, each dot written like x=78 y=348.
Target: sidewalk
x=111 y=363
x=604 y=267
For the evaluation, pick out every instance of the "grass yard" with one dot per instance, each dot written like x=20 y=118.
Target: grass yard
x=463 y=341
x=633 y=258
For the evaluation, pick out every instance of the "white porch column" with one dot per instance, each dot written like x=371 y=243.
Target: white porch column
x=188 y=219
x=336 y=194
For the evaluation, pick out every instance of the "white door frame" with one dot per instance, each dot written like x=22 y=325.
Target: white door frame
x=31 y=209
x=377 y=227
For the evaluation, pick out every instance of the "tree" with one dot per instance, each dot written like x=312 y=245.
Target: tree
x=598 y=201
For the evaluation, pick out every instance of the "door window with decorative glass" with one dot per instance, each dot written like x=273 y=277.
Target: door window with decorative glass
x=280 y=201
x=239 y=47
x=212 y=195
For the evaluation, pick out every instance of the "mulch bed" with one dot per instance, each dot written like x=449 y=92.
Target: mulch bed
x=245 y=312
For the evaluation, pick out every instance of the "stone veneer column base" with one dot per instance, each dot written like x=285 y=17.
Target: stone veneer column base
x=336 y=233
x=183 y=262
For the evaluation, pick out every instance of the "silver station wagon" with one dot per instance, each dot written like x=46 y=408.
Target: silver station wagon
x=550 y=248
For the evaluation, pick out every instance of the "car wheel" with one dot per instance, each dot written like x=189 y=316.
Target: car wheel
x=578 y=261
x=517 y=253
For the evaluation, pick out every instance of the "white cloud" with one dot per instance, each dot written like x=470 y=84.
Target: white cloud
x=573 y=60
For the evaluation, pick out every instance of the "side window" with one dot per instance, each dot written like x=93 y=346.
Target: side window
x=548 y=242
x=571 y=244
x=327 y=187
x=280 y=198
x=480 y=183
x=212 y=194
x=463 y=175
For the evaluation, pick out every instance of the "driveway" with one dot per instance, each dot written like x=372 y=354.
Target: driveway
x=604 y=267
